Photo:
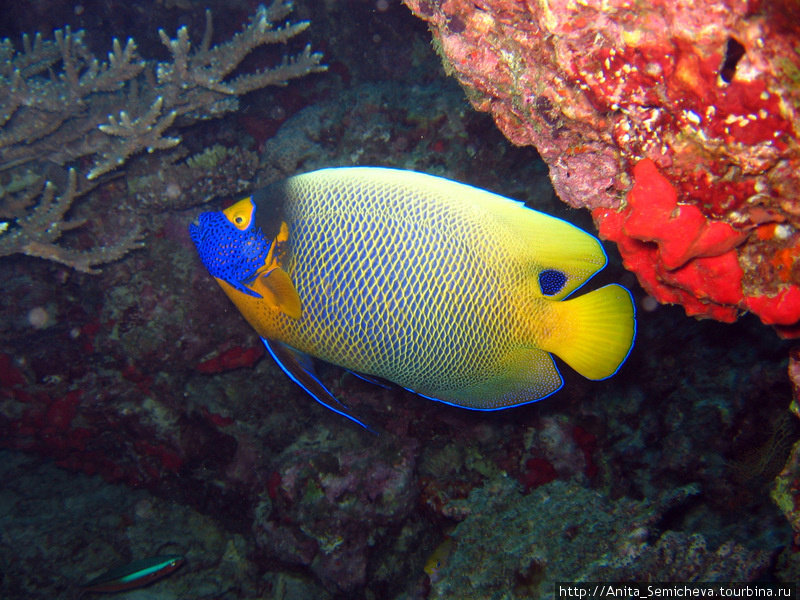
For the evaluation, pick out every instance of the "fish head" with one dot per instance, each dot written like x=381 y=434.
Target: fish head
x=230 y=244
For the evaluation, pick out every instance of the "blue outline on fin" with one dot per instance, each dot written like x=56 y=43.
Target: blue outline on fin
x=283 y=355
x=382 y=383
x=599 y=242
x=240 y=287
x=561 y=385
x=635 y=324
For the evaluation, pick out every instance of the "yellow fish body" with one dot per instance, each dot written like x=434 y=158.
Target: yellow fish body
x=447 y=290
x=438 y=559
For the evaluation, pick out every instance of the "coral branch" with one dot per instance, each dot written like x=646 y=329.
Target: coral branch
x=134 y=134
x=36 y=234
x=197 y=80
x=107 y=112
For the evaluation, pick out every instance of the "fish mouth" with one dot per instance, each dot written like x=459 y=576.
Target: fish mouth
x=197 y=232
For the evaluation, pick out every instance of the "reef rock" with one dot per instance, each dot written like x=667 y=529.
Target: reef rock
x=524 y=544
x=674 y=122
x=785 y=489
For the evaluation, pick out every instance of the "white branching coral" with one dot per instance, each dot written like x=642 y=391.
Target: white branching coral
x=37 y=232
x=105 y=112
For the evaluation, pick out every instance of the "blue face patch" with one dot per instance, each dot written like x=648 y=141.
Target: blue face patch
x=229 y=253
x=551 y=281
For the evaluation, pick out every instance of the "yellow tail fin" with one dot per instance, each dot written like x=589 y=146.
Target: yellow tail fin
x=594 y=332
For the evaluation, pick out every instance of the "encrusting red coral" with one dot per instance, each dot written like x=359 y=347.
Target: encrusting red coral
x=675 y=123
x=679 y=254
x=683 y=257
x=681 y=231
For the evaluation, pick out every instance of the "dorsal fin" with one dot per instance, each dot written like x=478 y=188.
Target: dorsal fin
x=546 y=241
x=537 y=239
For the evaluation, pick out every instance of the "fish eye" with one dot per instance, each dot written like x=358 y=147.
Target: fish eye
x=240 y=214
x=552 y=281
x=240 y=219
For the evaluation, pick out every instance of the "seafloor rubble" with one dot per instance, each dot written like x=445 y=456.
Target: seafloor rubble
x=526 y=544
x=676 y=123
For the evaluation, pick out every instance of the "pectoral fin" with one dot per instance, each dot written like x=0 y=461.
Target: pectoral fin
x=276 y=287
x=299 y=368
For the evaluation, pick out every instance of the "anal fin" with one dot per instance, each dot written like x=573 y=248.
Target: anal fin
x=525 y=375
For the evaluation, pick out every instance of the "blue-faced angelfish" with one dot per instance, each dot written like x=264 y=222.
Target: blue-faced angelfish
x=447 y=290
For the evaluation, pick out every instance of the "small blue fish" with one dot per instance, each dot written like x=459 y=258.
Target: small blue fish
x=134 y=575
